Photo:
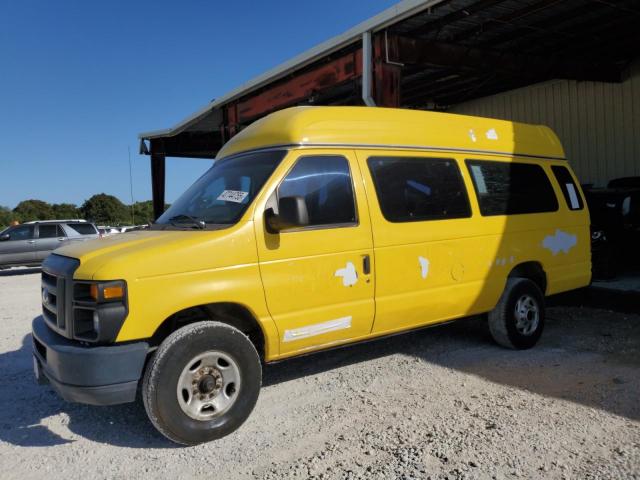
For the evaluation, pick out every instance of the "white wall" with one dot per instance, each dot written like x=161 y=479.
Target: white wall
x=598 y=123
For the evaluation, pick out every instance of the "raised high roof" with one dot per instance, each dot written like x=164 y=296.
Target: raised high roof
x=380 y=127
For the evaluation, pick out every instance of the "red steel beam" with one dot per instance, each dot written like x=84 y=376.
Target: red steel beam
x=299 y=87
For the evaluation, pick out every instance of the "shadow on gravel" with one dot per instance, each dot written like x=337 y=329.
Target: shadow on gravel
x=27 y=405
x=12 y=272
x=587 y=355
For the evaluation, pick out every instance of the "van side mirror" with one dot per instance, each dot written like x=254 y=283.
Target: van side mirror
x=5 y=237
x=292 y=213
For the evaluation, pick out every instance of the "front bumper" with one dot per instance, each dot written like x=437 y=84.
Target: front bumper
x=97 y=375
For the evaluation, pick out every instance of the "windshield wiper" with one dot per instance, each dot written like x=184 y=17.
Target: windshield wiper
x=177 y=220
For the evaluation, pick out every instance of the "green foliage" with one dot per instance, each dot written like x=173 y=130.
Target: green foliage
x=65 y=211
x=6 y=217
x=143 y=212
x=101 y=209
x=106 y=209
x=28 y=210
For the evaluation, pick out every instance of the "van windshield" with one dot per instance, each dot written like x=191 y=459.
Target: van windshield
x=222 y=195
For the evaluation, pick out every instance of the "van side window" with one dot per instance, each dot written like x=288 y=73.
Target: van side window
x=568 y=186
x=509 y=188
x=324 y=181
x=412 y=189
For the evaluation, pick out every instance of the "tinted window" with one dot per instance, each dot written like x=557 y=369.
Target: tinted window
x=413 y=189
x=83 y=228
x=569 y=190
x=48 y=231
x=23 y=232
x=505 y=188
x=325 y=184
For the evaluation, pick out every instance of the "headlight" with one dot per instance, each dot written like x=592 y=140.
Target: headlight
x=99 y=310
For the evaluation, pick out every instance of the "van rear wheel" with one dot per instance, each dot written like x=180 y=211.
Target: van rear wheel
x=517 y=320
x=202 y=383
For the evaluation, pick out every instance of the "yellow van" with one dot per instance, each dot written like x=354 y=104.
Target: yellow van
x=315 y=227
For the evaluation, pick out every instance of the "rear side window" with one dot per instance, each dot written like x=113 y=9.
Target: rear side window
x=505 y=188
x=324 y=181
x=569 y=188
x=412 y=189
x=50 y=231
x=83 y=228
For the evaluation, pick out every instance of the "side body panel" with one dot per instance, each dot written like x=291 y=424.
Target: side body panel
x=208 y=267
x=314 y=283
x=434 y=271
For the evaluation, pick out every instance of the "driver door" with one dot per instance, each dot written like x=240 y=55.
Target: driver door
x=19 y=248
x=318 y=279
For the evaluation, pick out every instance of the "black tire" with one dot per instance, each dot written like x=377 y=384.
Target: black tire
x=164 y=369
x=503 y=319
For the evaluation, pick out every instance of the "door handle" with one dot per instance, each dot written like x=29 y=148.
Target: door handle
x=61 y=239
x=31 y=241
x=366 y=264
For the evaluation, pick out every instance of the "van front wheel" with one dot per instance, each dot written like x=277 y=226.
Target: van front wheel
x=202 y=383
x=517 y=320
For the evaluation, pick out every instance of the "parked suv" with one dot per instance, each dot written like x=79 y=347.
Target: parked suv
x=28 y=244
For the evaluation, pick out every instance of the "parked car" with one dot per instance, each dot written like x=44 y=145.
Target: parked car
x=316 y=227
x=615 y=226
x=28 y=244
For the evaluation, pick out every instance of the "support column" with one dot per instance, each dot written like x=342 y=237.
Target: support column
x=157 y=184
x=386 y=76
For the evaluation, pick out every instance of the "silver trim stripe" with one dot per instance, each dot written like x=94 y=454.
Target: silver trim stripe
x=393 y=147
x=317 y=329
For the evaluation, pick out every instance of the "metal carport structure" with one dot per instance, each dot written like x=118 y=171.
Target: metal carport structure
x=427 y=54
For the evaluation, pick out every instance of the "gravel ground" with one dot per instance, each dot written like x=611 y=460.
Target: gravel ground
x=439 y=403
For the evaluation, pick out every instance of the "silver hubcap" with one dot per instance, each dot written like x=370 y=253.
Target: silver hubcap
x=527 y=315
x=208 y=385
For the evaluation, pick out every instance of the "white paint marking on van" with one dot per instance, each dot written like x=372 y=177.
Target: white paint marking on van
x=348 y=274
x=573 y=196
x=476 y=170
x=560 y=242
x=492 y=134
x=472 y=135
x=424 y=266
x=317 y=329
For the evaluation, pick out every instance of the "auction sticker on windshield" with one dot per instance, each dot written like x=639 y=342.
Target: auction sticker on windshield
x=232 y=196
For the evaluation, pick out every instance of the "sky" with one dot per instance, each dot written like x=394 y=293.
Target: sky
x=80 y=80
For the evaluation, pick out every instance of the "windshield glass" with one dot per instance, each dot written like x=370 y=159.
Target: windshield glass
x=224 y=192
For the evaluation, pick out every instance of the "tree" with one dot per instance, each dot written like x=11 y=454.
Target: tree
x=105 y=209
x=28 y=210
x=143 y=212
x=65 y=210
x=6 y=217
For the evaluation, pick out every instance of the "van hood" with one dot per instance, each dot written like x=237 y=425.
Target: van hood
x=147 y=253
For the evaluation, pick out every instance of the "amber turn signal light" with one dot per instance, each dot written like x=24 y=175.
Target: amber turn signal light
x=115 y=291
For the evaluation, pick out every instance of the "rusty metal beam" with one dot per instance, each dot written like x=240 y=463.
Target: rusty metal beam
x=300 y=87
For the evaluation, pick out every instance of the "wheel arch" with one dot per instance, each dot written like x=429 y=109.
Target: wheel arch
x=533 y=271
x=229 y=313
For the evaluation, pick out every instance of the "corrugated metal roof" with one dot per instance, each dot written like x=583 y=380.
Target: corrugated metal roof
x=402 y=10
